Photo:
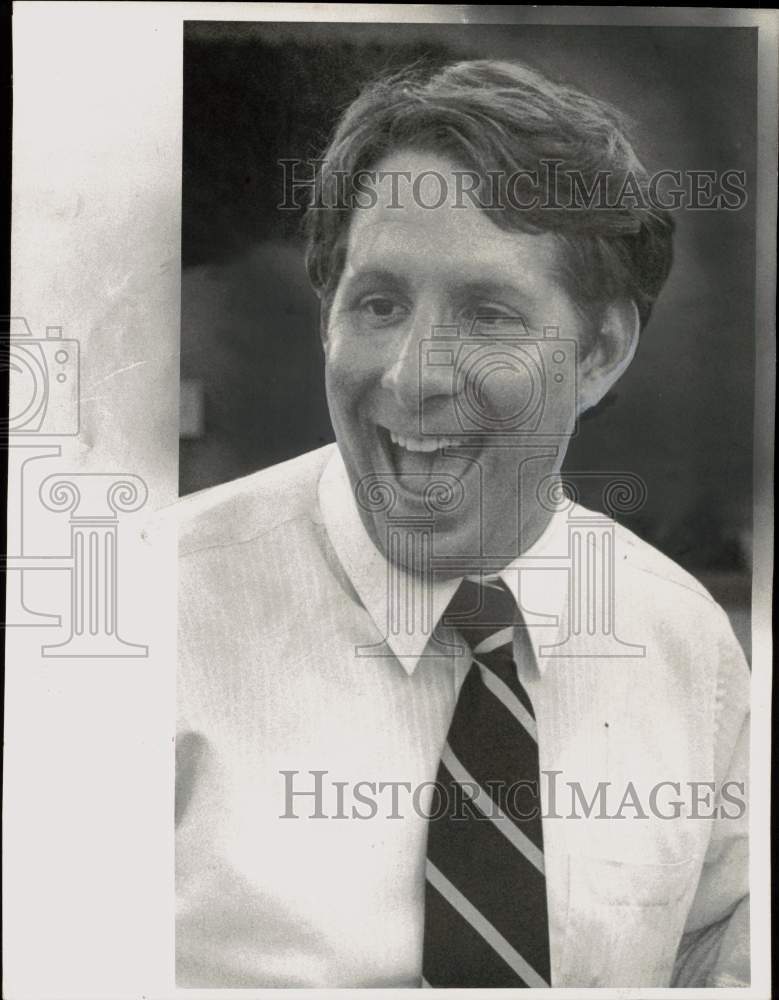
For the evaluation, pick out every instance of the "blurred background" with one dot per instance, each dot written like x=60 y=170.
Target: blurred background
x=251 y=362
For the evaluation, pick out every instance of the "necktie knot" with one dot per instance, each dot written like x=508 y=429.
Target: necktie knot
x=484 y=611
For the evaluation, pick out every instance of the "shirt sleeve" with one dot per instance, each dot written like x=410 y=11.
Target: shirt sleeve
x=714 y=950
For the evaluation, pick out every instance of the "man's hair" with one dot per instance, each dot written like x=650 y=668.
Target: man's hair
x=503 y=117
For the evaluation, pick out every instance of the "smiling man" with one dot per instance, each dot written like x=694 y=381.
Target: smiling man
x=437 y=729
x=411 y=271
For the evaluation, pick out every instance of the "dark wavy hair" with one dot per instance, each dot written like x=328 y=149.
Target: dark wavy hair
x=502 y=116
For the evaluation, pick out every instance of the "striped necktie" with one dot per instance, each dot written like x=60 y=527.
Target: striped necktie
x=486 y=922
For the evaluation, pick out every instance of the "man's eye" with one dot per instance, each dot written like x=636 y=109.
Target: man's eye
x=380 y=309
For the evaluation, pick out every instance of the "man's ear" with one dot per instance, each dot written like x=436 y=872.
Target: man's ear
x=612 y=351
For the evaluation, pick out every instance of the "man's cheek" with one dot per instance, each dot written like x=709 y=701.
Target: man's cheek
x=352 y=365
x=339 y=365
x=508 y=395
x=344 y=380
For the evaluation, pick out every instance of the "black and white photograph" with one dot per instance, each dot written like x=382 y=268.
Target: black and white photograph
x=390 y=457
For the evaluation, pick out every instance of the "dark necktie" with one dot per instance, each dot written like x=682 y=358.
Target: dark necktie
x=486 y=920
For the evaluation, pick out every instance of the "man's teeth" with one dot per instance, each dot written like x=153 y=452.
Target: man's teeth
x=423 y=444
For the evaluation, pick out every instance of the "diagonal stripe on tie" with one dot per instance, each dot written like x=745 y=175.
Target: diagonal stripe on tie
x=491 y=810
x=504 y=694
x=470 y=960
x=503 y=637
x=480 y=924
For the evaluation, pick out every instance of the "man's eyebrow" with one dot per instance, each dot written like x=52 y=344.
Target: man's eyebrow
x=473 y=288
x=491 y=288
x=379 y=275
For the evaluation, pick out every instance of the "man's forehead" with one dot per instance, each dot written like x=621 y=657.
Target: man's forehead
x=445 y=240
x=389 y=243
x=417 y=208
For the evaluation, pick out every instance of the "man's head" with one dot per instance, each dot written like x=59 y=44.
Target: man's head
x=477 y=290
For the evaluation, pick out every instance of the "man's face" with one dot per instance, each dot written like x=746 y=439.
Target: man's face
x=405 y=417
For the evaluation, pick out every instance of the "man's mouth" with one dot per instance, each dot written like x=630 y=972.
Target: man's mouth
x=409 y=454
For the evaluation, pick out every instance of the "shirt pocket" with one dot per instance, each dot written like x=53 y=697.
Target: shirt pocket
x=624 y=922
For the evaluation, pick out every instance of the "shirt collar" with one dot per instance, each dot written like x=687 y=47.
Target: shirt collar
x=538 y=592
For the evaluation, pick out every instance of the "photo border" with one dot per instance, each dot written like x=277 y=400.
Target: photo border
x=96 y=217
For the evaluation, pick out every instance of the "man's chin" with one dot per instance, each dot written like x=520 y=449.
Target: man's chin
x=420 y=519
x=418 y=543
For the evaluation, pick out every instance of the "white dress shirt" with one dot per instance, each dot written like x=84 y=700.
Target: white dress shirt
x=287 y=663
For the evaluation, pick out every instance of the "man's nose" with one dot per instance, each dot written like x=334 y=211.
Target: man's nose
x=409 y=375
